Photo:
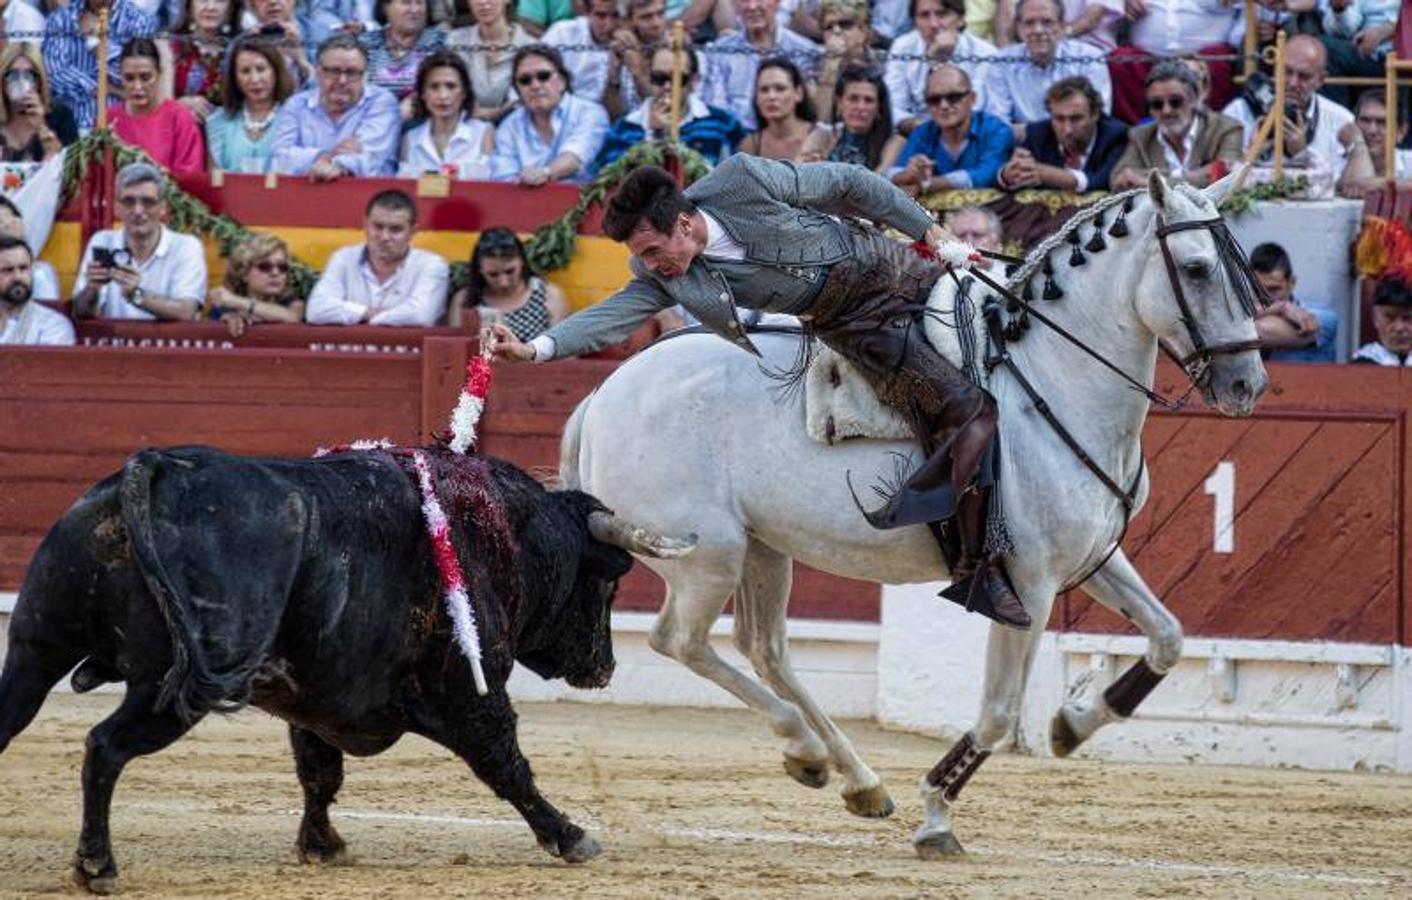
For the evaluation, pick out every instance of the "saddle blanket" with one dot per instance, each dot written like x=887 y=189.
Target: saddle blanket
x=840 y=404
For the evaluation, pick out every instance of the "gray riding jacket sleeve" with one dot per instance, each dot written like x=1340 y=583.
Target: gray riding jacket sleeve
x=780 y=212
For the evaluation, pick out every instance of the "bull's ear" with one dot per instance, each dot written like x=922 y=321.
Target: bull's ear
x=605 y=561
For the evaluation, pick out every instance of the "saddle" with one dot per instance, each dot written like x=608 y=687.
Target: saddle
x=839 y=404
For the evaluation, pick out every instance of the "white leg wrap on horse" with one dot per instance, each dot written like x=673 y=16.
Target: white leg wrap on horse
x=957 y=767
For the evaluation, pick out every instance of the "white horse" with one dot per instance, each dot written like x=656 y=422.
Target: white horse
x=690 y=436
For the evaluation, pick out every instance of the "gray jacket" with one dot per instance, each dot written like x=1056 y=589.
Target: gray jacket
x=779 y=212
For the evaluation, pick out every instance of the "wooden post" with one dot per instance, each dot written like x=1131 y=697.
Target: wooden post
x=678 y=63
x=102 y=51
x=1279 y=108
x=1253 y=150
x=1390 y=101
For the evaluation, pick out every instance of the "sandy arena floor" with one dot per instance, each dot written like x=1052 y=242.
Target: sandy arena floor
x=691 y=803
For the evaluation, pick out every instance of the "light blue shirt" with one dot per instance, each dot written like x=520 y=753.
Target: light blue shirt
x=1016 y=86
x=731 y=63
x=579 y=128
x=1358 y=15
x=231 y=147
x=304 y=130
x=890 y=18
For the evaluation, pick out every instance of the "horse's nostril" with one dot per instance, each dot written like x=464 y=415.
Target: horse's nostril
x=1241 y=389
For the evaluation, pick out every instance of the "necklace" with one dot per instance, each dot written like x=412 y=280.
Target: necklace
x=257 y=127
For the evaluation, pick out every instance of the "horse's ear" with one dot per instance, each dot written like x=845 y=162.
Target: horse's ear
x=1157 y=189
x=1218 y=191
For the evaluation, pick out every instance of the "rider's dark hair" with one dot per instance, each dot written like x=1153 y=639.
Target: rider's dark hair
x=1271 y=257
x=649 y=193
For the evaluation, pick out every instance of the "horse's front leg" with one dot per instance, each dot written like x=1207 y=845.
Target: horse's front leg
x=1120 y=588
x=1009 y=654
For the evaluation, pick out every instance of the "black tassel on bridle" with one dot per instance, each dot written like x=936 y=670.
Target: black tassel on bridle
x=1096 y=244
x=1120 y=224
x=1076 y=256
x=1051 y=290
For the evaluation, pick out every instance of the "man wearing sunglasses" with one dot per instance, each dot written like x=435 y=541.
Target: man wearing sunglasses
x=142 y=270
x=1185 y=140
x=710 y=131
x=959 y=147
x=341 y=125
x=779 y=237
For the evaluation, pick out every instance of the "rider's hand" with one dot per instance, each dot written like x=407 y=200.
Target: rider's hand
x=503 y=345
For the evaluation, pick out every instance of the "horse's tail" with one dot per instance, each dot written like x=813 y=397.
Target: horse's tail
x=570 y=446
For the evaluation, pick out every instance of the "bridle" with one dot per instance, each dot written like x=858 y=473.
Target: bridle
x=1196 y=364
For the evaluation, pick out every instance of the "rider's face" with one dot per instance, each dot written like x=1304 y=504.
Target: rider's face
x=665 y=255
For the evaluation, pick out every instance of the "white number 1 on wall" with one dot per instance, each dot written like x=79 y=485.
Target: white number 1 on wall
x=1221 y=485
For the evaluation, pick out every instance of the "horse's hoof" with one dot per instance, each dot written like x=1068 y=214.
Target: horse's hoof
x=321 y=846
x=96 y=877
x=1063 y=740
x=584 y=849
x=872 y=803
x=938 y=845
x=812 y=773
x=324 y=856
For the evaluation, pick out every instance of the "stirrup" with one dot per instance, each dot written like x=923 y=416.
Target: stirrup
x=909 y=506
x=971 y=594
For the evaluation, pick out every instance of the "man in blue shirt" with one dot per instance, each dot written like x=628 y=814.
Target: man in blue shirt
x=341 y=125
x=709 y=130
x=959 y=147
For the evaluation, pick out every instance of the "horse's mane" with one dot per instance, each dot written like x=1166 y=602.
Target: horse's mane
x=1034 y=260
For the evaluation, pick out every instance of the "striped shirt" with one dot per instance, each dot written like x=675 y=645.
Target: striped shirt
x=399 y=73
x=73 y=67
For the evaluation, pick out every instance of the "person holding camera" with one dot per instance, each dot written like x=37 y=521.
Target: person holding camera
x=32 y=127
x=142 y=270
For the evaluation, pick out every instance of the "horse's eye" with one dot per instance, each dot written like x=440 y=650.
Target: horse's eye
x=1196 y=270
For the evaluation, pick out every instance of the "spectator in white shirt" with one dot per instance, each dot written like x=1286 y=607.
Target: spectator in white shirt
x=384 y=281
x=1312 y=122
x=595 y=32
x=142 y=270
x=1166 y=28
x=450 y=140
x=1020 y=74
x=553 y=135
x=22 y=319
x=939 y=34
x=1392 y=319
x=45 y=282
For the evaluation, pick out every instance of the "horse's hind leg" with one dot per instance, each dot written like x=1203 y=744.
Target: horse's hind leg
x=696 y=594
x=134 y=729
x=1009 y=653
x=760 y=633
x=320 y=768
x=1120 y=588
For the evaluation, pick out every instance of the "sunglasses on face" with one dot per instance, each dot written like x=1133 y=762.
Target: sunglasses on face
x=525 y=79
x=270 y=267
x=1157 y=104
x=951 y=98
x=842 y=25
x=663 y=79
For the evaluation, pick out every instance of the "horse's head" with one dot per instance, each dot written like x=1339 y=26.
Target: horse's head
x=1199 y=296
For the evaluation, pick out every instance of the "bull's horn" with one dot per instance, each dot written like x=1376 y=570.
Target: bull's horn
x=610 y=529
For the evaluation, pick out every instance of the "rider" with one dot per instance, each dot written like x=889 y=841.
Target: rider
x=766 y=235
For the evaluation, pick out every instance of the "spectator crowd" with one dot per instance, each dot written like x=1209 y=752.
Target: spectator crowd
x=937 y=95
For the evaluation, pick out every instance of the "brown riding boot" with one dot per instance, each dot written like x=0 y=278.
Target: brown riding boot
x=979 y=582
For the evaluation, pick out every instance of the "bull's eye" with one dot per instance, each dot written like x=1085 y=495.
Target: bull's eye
x=1196 y=269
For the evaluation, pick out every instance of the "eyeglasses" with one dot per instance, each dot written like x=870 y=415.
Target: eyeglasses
x=952 y=98
x=273 y=268
x=342 y=74
x=841 y=25
x=135 y=202
x=662 y=79
x=528 y=78
x=1157 y=104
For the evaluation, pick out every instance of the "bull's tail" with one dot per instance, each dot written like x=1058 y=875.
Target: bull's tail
x=188 y=686
x=570 y=445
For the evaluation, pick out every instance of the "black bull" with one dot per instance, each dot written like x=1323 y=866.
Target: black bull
x=308 y=588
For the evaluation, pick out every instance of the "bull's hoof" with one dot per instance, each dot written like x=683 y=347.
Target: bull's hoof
x=321 y=846
x=96 y=876
x=812 y=773
x=1063 y=740
x=581 y=851
x=872 y=803
x=935 y=845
